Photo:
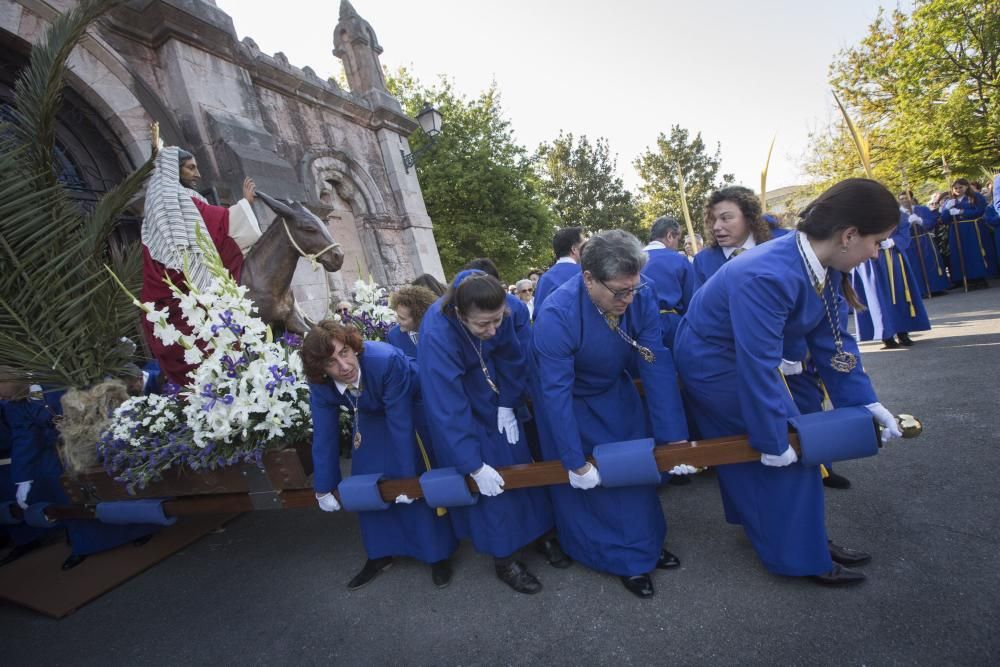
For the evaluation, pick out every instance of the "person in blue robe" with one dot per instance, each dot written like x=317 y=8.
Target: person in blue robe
x=972 y=258
x=36 y=472
x=591 y=329
x=775 y=225
x=904 y=306
x=733 y=224
x=929 y=267
x=871 y=321
x=729 y=349
x=377 y=384
x=670 y=275
x=992 y=219
x=409 y=302
x=566 y=244
x=23 y=537
x=472 y=375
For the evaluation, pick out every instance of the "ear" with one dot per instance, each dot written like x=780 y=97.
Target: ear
x=848 y=235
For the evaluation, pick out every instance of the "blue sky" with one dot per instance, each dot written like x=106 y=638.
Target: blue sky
x=738 y=72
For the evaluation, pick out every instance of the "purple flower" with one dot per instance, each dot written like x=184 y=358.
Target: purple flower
x=290 y=339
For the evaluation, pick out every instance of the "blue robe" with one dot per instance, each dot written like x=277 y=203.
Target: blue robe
x=401 y=340
x=461 y=411
x=992 y=219
x=904 y=307
x=584 y=396
x=388 y=445
x=708 y=260
x=551 y=280
x=733 y=386
x=34 y=457
x=866 y=326
x=968 y=239
x=672 y=278
x=928 y=265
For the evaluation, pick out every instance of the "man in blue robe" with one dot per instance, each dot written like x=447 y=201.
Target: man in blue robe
x=566 y=245
x=378 y=384
x=472 y=377
x=591 y=329
x=670 y=275
x=904 y=306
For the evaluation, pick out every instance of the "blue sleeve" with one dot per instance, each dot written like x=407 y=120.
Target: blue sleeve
x=760 y=308
x=698 y=269
x=687 y=283
x=845 y=389
x=26 y=449
x=976 y=208
x=555 y=352
x=928 y=218
x=659 y=379
x=996 y=194
x=510 y=363
x=541 y=293
x=398 y=388
x=325 y=439
x=447 y=407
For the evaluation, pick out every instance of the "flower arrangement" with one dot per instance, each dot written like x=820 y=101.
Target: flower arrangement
x=371 y=313
x=248 y=392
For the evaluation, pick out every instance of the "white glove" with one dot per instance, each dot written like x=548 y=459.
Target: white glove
x=507 y=423
x=327 y=502
x=780 y=460
x=23 y=489
x=790 y=367
x=683 y=469
x=488 y=480
x=403 y=499
x=587 y=480
x=955 y=211
x=886 y=244
x=890 y=429
x=915 y=219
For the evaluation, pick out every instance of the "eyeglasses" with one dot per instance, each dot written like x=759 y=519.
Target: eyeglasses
x=624 y=294
x=527 y=289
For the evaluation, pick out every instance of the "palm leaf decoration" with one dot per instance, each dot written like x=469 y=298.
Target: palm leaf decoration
x=763 y=176
x=61 y=314
x=860 y=141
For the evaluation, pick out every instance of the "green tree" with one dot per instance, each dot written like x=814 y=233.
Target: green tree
x=582 y=184
x=479 y=185
x=925 y=87
x=658 y=169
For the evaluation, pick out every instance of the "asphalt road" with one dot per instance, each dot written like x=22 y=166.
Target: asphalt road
x=271 y=588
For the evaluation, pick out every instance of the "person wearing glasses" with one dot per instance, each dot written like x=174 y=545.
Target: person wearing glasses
x=590 y=331
x=525 y=291
x=733 y=224
x=472 y=373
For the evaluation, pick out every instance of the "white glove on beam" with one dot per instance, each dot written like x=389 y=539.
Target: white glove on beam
x=587 y=480
x=507 y=423
x=23 y=489
x=955 y=211
x=683 y=469
x=790 y=367
x=327 y=502
x=890 y=429
x=886 y=244
x=915 y=219
x=488 y=480
x=780 y=460
x=403 y=499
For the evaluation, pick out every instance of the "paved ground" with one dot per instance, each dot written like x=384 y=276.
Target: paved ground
x=270 y=589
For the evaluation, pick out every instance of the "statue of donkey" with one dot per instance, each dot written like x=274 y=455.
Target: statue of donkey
x=268 y=267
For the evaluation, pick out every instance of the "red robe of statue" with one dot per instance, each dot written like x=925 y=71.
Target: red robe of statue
x=155 y=289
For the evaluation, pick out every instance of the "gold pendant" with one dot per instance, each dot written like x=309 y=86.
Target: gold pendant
x=612 y=321
x=646 y=354
x=843 y=362
x=493 y=385
x=357 y=439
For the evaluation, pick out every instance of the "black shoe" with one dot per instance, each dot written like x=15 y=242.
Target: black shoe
x=441 y=573
x=553 y=553
x=679 y=480
x=839 y=576
x=904 y=339
x=73 y=561
x=140 y=541
x=835 y=481
x=667 y=561
x=20 y=550
x=640 y=586
x=517 y=577
x=847 y=556
x=371 y=570
x=890 y=344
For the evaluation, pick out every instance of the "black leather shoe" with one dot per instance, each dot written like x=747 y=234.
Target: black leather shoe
x=890 y=344
x=517 y=577
x=667 y=561
x=441 y=573
x=371 y=570
x=20 y=550
x=835 y=481
x=839 y=576
x=553 y=553
x=73 y=561
x=640 y=586
x=847 y=556
x=904 y=339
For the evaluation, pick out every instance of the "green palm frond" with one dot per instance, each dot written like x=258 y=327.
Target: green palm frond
x=61 y=314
